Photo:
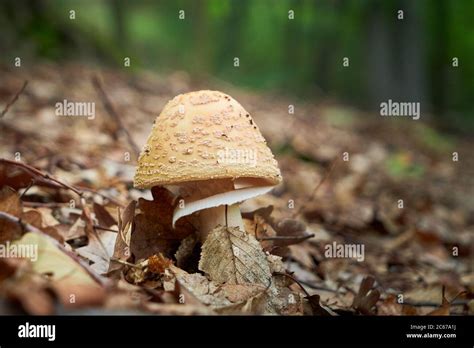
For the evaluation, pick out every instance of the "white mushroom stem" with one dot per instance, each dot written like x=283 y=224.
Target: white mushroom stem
x=213 y=209
x=224 y=215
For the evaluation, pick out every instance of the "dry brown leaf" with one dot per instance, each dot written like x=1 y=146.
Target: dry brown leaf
x=70 y=282
x=35 y=218
x=224 y=299
x=317 y=309
x=9 y=203
x=232 y=256
x=153 y=232
x=367 y=297
x=389 y=306
x=31 y=291
x=158 y=264
x=177 y=309
x=121 y=250
x=99 y=250
x=103 y=216
x=17 y=178
x=444 y=309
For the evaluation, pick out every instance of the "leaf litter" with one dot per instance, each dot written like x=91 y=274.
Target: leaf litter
x=103 y=244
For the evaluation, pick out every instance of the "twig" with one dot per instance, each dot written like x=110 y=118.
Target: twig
x=79 y=190
x=31 y=228
x=313 y=194
x=15 y=98
x=317 y=287
x=114 y=259
x=103 y=195
x=104 y=228
x=37 y=172
x=32 y=182
x=297 y=238
x=44 y=205
x=295 y=280
x=113 y=113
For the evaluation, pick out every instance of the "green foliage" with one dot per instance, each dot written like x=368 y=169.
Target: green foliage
x=301 y=57
x=434 y=140
x=400 y=166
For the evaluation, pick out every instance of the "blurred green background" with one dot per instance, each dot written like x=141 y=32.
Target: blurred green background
x=389 y=58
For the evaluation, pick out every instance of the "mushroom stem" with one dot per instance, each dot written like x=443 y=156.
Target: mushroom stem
x=224 y=215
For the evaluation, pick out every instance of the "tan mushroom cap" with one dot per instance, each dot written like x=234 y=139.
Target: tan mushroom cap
x=204 y=135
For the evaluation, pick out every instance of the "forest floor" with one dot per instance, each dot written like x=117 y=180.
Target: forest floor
x=387 y=188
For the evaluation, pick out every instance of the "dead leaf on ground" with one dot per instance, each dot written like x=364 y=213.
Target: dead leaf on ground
x=99 y=250
x=69 y=281
x=232 y=256
x=9 y=203
x=317 y=309
x=121 y=251
x=103 y=216
x=444 y=309
x=153 y=231
x=367 y=297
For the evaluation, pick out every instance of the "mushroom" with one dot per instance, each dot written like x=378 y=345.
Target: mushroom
x=205 y=146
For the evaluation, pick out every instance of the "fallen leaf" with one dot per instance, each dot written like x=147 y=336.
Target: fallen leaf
x=444 y=309
x=99 y=250
x=317 y=309
x=232 y=256
x=9 y=203
x=121 y=251
x=158 y=263
x=367 y=297
x=103 y=216
x=69 y=281
x=153 y=232
x=35 y=218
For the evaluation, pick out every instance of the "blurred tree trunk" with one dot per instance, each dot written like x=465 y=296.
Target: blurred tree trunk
x=230 y=36
x=440 y=56
x=380 y=56
x=412 y=70
x=117 y=9
x=202 y=38
x=292 y=42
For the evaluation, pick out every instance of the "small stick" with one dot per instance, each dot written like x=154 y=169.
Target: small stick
x=103 y=195
x=313 y=194
x=126 y=263
x=295 y=280
x=104 y=228
x=113 y=113
x=15 y=98
x=44 y=205
x=32 y=182
x=46 y=176
x=297 y=238
x=316 y=287
x=77 y=190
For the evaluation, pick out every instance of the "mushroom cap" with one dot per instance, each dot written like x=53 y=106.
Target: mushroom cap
x=204 y=135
